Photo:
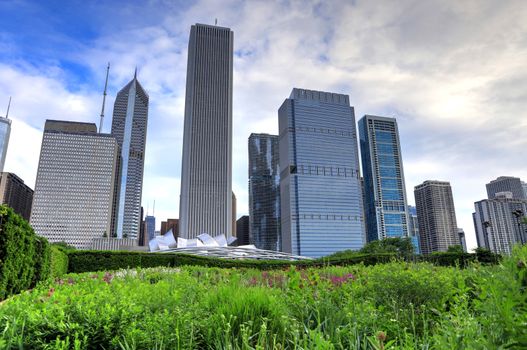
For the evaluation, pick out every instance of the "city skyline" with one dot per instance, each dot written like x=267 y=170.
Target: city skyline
x=456 y=94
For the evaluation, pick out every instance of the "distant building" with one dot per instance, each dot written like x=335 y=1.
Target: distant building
x=143 y=241
x=75 y=184
x=436 y=216
x=385 y=203
x=170 y=224
x=16 y=194
x=129 y=124
x=206 y=172
x=233 y=232
x=264 y=192
x=242 y=230
x=320 y=195
x=110 y=243
x=413 y=226
x=506 y=184
x=462 y=240
x=498 y=223
x=150 y=227
x=5 y=131
x=524 y=186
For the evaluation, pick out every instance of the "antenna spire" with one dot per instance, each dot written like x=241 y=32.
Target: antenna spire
x=215 y=21
x=104 y=97
x=8 y=106
x=135 y=73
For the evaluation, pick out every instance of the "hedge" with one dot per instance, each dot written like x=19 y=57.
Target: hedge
x=58 y=262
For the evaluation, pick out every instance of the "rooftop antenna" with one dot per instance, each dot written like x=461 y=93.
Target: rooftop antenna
x=154 y=210
x=104 y=97
x=135 y=73
x=8 y=106
x=215 y=21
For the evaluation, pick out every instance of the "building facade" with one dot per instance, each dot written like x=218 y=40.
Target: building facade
x=506 y=184
x=129 y=124
x=320 y=194
x=16 y=194
x=413 y=228
x=75 y=184
x=206 y=173
x=5 y=131
x=385 y=203
x=150 y=227
x=264 y=192
x=170 y=224
x=242 y=230
x=497 y=227
x=436 y=216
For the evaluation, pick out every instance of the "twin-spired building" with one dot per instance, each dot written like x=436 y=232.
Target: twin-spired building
x=206 y=175
x=321 y=198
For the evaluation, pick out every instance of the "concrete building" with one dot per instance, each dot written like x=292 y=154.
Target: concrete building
x=206 y=174
x=5 y=131
x=524 y=186
x=170 y=224
x=385 y=203
x=242 y=230
x=129 y=124
x=75 y=184
x=320 y=195
x=233 y=230
x=498 y=222
x=16 y=194
x=506 y=184
x=264 y=192
x=436 y=216
x=462 y=241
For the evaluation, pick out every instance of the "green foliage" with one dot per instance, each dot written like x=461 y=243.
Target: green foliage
x=401 y=246
x=455 y=249
x=397 y=305
x=17 y=253
x=42 y=260
x=58 y=262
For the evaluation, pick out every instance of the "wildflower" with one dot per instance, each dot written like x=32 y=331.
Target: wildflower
x=107 y=277
x=51 y=291
x=71 y=281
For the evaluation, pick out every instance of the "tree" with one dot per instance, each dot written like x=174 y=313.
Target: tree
x=455 y=249
x=400 y=245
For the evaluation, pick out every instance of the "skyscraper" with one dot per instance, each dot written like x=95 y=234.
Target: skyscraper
x=321 y=200
x=497 y=226
x=75 y=183
x=5 y=131
x=385 y=204
x=506 y=184
x=436 y=216
x=16 y=194
x=206 y=174
x=150 y=227
x=413 y=228
x=242 y=230
x=129 y=124
x=264 y=192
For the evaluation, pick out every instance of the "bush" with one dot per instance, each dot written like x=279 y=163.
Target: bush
x=58 y=262
x=17 y=253
x=42 y=260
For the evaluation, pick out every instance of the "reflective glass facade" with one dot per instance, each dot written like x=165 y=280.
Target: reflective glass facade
x=5 y=131
x=384 y=189
x=264 y=192
x=150 y=223
x=321 y=200
x=414 y=228
x=75 y=181
x=129 y=125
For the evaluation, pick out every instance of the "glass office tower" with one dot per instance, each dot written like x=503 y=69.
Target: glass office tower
x=385 y=204
x=129 y=124
x=206 y=171
x=320 y=192
x=264 y=192
x=5 y=131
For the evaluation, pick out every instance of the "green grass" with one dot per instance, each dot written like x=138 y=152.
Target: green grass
x=397 y=305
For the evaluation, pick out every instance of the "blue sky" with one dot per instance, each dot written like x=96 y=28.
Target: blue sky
x=452 y=73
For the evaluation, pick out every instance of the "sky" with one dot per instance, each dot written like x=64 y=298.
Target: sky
x=453 y=74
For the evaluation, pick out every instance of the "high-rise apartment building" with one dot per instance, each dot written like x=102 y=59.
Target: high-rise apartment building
x=385 y=204
x=264 y=192
x=170 y=224
x=506 y=184
x=498 y=222
x=5 y=131
x=524 y=186
x=16 y=194
x=150 y=227
x=75 y=183
x=320 y=195
x=206 y=174
x=436 y=216
x=129 y=124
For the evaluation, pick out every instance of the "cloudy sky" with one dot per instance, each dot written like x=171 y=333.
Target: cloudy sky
x=453 y=73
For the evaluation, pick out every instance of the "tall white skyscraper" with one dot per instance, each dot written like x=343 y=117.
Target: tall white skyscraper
x=320 y=192
x=206 y=175
x=129 y=124
x=5 y=131
x=75 y=184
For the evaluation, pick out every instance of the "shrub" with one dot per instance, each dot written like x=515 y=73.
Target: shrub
x=42 y=260
x=17 y=253
x=58 y=262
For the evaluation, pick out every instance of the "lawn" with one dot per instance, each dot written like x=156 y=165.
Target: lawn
x=397 y=305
